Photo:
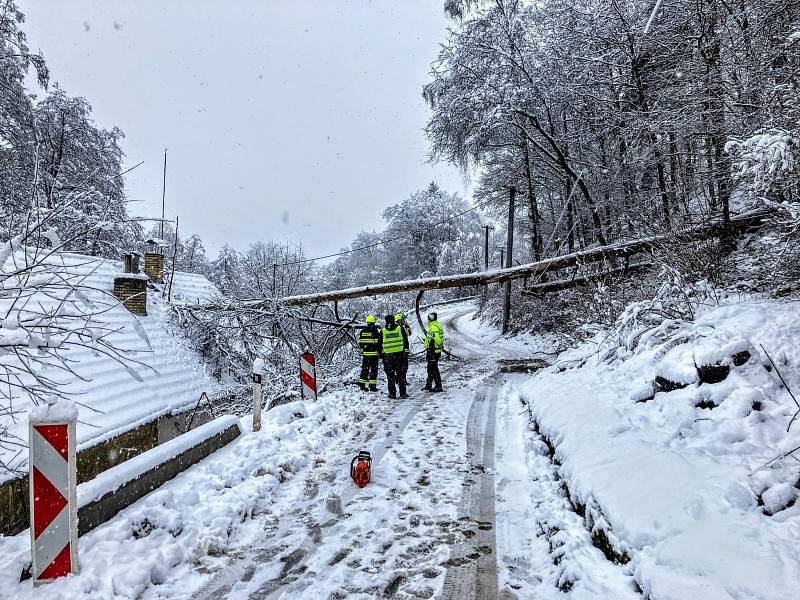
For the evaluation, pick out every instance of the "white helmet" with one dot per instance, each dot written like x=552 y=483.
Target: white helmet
x=432 y=316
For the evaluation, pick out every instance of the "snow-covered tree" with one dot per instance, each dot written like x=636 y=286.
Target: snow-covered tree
x=226 y=272
x=611 y=119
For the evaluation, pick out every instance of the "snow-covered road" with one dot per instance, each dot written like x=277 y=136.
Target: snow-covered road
x=440 y=519
x=425 y=522
x=465 y=502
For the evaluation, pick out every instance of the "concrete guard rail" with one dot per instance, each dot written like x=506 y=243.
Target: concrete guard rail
x=112 y=491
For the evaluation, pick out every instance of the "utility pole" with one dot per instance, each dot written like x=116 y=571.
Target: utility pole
x=512 y=194
x=274 y=295
x=502 y=254
x=486 y=247
x=163 y=194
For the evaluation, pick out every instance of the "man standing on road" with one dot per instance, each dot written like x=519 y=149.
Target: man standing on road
x=433 y=352
x=369 y=342
x=400 y=319
x=393 y=342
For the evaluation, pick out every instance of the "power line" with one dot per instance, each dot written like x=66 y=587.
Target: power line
x=382 y=242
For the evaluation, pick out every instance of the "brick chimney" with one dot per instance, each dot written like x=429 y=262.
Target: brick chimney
x=154 y=266
x=131 y=290
x=154 y=260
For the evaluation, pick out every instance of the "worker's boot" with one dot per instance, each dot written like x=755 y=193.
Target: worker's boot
x=373 y=388
x=362 y=387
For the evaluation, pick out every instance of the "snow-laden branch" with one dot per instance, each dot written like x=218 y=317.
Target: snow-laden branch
x=618 y=250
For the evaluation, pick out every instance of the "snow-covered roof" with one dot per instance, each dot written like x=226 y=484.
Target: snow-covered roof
x=160 y=374
x=191 y=288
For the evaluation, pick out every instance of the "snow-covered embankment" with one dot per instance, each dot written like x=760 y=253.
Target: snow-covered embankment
x=675 y=479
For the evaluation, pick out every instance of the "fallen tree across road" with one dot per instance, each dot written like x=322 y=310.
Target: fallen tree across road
x=540 y=289
x=613 y=251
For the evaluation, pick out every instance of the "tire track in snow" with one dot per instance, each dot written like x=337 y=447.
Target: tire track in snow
x=472 y=572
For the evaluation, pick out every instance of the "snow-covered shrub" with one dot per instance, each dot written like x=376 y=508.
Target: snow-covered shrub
x=230 y=340
x=655 y=321
x=766 y=162
x=771 y=261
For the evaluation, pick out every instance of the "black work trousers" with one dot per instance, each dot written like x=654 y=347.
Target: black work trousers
x=395 y=372
x=369 y=373
x=434 y=376
x=403 y=370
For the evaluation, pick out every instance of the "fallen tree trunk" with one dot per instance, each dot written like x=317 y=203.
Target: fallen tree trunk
x=619 y=250
x=564 y=284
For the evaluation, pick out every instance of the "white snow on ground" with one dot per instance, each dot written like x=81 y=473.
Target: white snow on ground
x=162 y=374
x=283 y=496
x=678 y=486
x=394 y=534
x=544 y=546
x=130 y=470
x=469 y=338
x=677 y=489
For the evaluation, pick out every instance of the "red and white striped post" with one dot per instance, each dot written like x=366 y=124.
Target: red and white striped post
x=53 y=504
x=308 y=377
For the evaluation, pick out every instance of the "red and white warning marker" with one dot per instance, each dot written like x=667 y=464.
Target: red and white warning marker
x=308 y=376
x=53 y=504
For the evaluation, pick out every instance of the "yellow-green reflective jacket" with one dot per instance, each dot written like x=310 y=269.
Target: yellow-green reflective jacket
x=435 y=337
x=393 y=340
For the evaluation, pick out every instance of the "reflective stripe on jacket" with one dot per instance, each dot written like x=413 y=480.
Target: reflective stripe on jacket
x=368 y=341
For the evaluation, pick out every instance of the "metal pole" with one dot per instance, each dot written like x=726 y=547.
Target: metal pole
x=486 y=248
x=174 y=257
x=502 y=257
x=163 y=194
x=274 y=294
x=509 y=258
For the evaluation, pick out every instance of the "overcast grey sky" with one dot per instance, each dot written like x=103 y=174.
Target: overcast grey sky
x=294 y=120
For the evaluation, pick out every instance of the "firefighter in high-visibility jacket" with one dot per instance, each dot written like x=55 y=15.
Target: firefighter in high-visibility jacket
x=369 y=343
x=434 y=343
x=393 y=344
x=400 y=319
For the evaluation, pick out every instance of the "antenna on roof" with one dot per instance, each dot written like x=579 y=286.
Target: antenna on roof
x=163 y=194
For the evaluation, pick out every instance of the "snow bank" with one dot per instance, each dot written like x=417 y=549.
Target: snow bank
x=676 y=480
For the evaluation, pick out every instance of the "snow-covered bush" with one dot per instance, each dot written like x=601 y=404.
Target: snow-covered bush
x=766 y=162
x=654 y=321
x=230 y=338
x=773 y=262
